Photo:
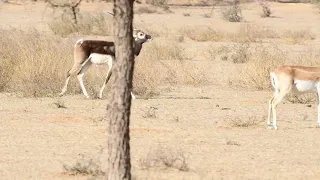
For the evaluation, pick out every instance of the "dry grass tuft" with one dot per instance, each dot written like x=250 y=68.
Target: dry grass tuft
x=165 y=158
x=146 y=10
x=266 y=11
x=60 y=104
x=233 y=143
x=241 y=53
x=238 y=53
x=86 y=166
x=158 y=3
x=202 y=34
x=87 y=25
x=247 y=122
x=150 y=112
x=246 y=33
x=253 y=33
x=186 y=14
x=301 y=98
x=297 y=36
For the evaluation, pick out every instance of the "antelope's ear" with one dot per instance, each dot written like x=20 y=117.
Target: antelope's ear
x=135 y=33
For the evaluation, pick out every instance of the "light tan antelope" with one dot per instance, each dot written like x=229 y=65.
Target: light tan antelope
x=88 y=52
x=297 y=79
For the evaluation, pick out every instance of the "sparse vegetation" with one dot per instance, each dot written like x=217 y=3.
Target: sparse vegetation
x=165 y=158
x=246 y=33
x=85 y=166
x=301 y=98
x=246 y=122
x=60 y=104
x=297 y=36
x=150 y=112
x=241 y=53
x=186 y=14
x=146 y=10
x=266 y=11
x=233 y=13
x=87 y=25
x=159 y=3
x=202 y=34
x=262 y=61
x=232 y=143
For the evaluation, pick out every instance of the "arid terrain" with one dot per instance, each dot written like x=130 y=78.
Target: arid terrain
x=202 y=86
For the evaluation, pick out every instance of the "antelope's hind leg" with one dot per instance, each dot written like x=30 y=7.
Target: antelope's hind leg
x=269 y=122
x=64 y=89
x=75 y=68
x=107 y=79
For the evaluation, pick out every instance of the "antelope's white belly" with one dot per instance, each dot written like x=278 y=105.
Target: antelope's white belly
x=101 y=59
x=305 y=86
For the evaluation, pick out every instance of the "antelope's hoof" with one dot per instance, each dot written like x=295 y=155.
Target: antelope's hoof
x=272 y=127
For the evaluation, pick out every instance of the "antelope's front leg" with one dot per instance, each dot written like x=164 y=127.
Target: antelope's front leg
x=269 y=112
x=80 y=77
x=133 y=97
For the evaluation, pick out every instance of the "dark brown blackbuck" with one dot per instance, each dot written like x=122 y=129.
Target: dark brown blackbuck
x=88 y=52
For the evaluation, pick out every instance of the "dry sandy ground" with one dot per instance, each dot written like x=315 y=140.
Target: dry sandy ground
x=37 y=138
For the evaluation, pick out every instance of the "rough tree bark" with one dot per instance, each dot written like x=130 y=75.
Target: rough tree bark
x=118 y=108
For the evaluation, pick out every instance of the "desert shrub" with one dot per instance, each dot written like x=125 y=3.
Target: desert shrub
x=266 y=11
x=232 y=13
x=241 y=53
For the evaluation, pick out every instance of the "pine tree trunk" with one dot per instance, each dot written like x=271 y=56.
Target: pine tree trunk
x=118 y=109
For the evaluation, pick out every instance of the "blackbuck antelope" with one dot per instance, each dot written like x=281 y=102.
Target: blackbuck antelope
x=88 y=52
x=297 y=79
